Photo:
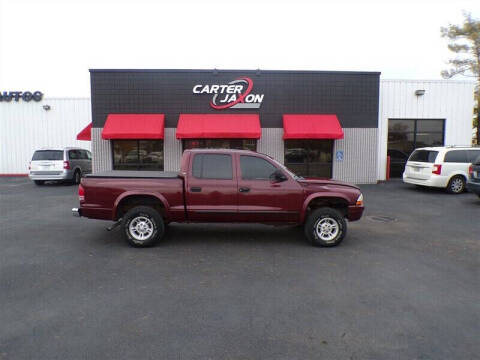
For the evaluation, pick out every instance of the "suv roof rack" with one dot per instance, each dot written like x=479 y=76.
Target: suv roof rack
x=459 y=146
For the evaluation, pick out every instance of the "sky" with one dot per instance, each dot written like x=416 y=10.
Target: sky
x=49 y=45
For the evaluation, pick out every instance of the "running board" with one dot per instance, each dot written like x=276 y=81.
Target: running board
x=114 y=225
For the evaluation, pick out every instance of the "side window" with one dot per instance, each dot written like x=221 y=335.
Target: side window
x=73 y=154
x=212 y=166
x=473 y=156
x=83 y=154
x=255 y=168
x=456 y=156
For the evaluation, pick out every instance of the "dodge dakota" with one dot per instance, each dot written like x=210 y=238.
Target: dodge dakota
x=217 y=185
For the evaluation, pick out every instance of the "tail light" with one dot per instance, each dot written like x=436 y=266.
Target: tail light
x=81 y=193
x=66 y=165
x=437 y=169
x=470 y=171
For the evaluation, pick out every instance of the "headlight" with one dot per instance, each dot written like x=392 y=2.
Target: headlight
x=359 y=200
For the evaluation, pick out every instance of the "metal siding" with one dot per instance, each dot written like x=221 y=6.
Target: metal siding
x=172 y=150
x=101 y=152
x=271 y=143
x=359 y=163
x=443 y=99
x=26 y=127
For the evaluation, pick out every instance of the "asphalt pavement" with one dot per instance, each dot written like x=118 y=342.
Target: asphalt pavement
x=404 y=284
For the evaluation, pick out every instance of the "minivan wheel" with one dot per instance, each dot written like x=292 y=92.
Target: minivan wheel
x=325 y=227
x=39 y=182
x=143 y=226
x=456 y=185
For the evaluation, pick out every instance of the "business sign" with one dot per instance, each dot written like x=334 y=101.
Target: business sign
x=27 y=96
x=237 y=94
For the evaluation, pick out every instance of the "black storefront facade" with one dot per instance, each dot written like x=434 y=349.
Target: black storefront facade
x=317 y=123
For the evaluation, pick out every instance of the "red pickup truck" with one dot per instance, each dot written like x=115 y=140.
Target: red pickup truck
x=220 y=186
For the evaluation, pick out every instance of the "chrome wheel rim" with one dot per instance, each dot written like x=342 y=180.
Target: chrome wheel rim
x=327 y=229
x=141 y=228
x=457 y=185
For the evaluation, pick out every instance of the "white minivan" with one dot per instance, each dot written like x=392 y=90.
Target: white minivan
x=59 y=164
x=443 y=167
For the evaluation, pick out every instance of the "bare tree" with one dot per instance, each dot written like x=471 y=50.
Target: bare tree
x=464 y=41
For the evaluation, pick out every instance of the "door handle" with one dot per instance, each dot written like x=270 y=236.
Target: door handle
x=195 y=189
x=244 y=189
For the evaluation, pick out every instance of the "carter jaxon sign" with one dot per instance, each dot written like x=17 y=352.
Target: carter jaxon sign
x=237 y=94
x=27 y=96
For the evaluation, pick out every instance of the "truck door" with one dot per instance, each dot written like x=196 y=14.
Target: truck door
x=211 y=189
x=261 y=198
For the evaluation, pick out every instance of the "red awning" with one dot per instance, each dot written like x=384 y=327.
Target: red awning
x=311 y=126
x=219 y=126
x=134 y=126
x=86 y=133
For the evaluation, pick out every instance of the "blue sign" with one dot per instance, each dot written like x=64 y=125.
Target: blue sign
x=339 y=155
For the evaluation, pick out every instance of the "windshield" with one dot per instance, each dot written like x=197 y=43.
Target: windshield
x=48 y=155
x=287 y=170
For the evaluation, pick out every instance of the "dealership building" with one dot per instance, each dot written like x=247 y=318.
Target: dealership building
x=339 y=125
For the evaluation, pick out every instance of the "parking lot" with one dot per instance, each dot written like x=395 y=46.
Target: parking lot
x=404 y=284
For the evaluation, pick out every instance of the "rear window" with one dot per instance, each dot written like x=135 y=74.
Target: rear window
x=48 y=155
x=423 y=156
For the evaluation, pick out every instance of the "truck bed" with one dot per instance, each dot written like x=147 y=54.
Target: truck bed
x=137 y=174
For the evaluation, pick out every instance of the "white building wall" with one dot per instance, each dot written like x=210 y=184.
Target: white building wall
x=26 y=127
x=444 y=99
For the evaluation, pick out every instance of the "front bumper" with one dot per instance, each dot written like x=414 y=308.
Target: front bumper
x=473 y=187
x=355 y=212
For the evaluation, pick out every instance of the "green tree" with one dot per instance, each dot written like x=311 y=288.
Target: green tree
x=464 y=41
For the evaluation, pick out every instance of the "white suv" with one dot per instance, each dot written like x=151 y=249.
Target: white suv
x=443 y=167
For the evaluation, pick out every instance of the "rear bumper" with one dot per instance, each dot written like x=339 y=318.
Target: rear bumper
x=473 y=187
x=433 y=181
x=354 y=212
x=60 y=175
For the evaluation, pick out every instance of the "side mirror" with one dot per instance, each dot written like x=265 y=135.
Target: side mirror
x=277 y=176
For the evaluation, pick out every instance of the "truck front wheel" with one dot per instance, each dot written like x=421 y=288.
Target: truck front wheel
x=325 y=227
x=143 y=226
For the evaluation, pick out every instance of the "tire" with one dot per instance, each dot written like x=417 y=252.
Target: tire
x=77 y=176
x=39 y=182
x=456 y=185
x=143 y=226
x=330 y=218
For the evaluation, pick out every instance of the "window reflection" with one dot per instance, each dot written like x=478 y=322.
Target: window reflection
x=239 y=144
x=309 y=157
x=137 y=154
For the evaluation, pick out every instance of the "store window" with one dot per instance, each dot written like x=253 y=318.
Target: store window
x=309 y=157
x=405 y=135
x=239 y=144
x=137 y=154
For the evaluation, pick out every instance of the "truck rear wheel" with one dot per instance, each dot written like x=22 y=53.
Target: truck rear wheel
x=143 y=226
x=325 y=227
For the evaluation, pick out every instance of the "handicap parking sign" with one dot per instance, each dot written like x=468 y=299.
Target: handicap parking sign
x=339 y=155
